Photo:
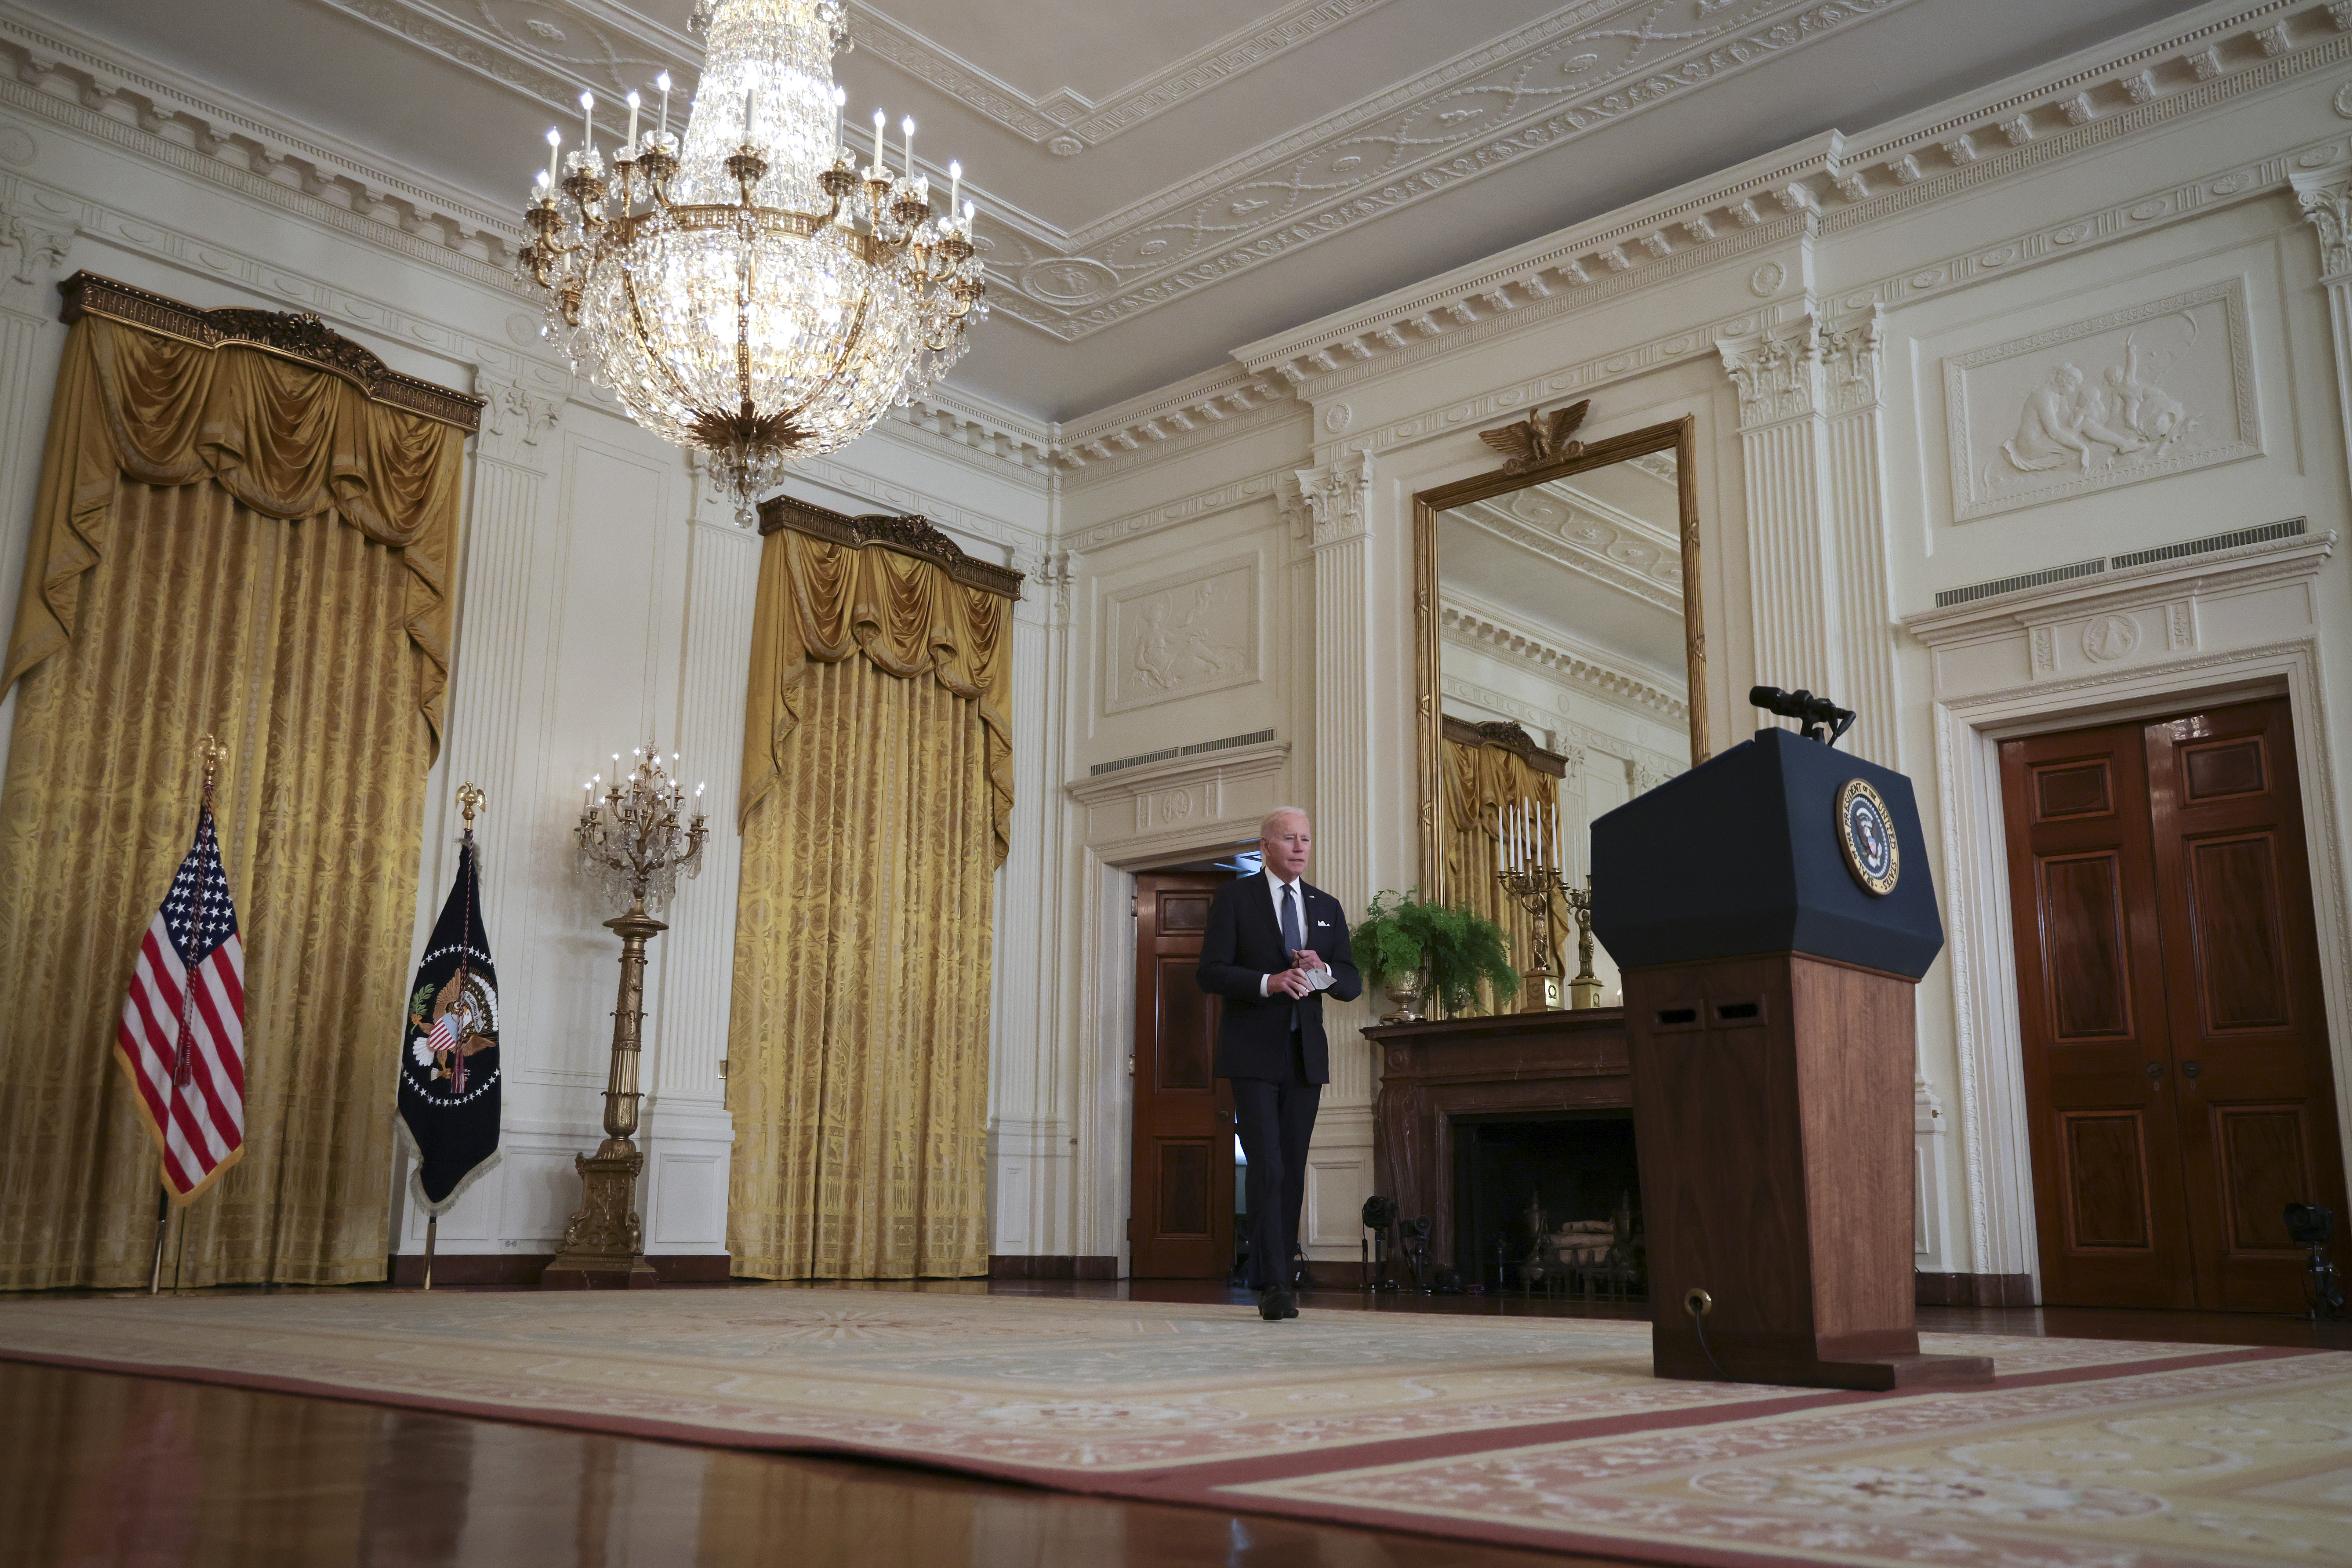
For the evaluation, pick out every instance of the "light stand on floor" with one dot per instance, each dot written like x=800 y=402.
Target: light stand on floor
x=635 y=844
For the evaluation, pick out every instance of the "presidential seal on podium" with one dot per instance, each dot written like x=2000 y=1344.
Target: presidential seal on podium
x=1866 y=834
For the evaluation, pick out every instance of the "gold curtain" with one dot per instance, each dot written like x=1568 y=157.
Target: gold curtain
x=877 y=792
x=224 y=541
x=1481 y=782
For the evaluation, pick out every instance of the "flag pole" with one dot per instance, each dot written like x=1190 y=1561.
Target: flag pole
x=471 y=798
x=162 y=1214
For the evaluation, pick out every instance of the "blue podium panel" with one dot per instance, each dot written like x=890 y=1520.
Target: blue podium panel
x=1744 y=854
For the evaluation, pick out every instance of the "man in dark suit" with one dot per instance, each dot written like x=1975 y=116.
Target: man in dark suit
x=1273 y=947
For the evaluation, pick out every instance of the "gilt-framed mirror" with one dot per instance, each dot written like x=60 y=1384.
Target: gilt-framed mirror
x=1560 y=651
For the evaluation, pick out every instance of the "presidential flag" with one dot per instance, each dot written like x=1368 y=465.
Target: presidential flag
x=449 y=1049
x=181 y=1039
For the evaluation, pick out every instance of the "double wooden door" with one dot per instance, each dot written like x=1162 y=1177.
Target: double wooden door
x=2175 y=1044
x=1180 y=1207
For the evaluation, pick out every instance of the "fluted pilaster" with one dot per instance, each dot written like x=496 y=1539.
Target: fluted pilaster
x=1813 y=463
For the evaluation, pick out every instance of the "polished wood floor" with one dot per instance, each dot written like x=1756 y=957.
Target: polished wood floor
x=105 y=1471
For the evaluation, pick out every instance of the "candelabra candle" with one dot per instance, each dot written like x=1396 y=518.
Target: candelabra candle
x=636 y=842
x=662 y=81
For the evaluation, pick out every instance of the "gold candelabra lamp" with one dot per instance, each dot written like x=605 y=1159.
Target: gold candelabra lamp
x=635 y=842
x=1527 y=854
x=1584 y=991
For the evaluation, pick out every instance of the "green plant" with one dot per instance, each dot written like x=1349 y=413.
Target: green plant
x=1401 y=934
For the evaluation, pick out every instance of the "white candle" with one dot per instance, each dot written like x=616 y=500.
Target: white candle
x=1558 y=859
x=955 y=185
x=632 y=120
x=968 y=210
x=750 y=112
x=840 y=119
x=908 y=125
x=554 y=144
x=587 y=121
x=662 y=81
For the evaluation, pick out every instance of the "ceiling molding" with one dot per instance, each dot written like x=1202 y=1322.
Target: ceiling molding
x=1069 y=116
x=1823 y=186
x=1482 y=627
x=1396 y=148
x=1481 y=112
x=1653 y=574
x=1193 y=412
x=68 y=76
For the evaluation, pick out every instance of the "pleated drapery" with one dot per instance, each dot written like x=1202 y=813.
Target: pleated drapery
x=878 y=789
x=228 y=542
x=1483 y=782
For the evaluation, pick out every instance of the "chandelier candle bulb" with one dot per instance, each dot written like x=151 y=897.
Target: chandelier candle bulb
x=588 y=121
x=631 y=140
x=750 y=112
x=662 y=81
x=955 y=185
x=554 y=147
x=841 y=119
x=908 y=127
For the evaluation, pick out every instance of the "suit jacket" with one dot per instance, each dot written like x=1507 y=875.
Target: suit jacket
x=1243 y=945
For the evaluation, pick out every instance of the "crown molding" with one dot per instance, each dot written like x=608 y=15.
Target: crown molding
x=1174 y=418
x=1824 y=185
x=1471 y=623
x=1397 y=148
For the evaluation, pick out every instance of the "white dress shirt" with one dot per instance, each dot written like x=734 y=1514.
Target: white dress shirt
x=1274 y=885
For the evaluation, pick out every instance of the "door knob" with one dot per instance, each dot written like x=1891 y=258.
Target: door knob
x=2190 y=1069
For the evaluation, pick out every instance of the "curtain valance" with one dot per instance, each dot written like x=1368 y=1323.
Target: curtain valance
x=826 y=600
x=286 y=438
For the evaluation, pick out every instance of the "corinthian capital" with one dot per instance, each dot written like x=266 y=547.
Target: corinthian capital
x=1328 y=503
x=2326 y=198
x=1778 y=374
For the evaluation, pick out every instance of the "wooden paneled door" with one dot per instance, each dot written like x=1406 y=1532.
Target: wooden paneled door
x=2175 y=1044
x=1180 y=1207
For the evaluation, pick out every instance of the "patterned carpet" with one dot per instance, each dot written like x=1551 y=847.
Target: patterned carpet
x=2087 y=1453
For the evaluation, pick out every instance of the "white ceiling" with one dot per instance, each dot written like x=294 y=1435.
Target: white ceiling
x=1161 y=181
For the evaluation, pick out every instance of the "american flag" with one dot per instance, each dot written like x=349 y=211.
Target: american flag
x=182 y=1033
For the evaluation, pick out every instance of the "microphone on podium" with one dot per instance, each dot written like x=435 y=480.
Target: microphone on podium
x=1811 y=711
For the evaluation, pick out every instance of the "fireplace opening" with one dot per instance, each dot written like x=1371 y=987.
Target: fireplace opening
x=1549 y=1205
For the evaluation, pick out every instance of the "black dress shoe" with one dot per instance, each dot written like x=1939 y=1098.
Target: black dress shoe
x=1274 y=1304
x=1290 y=1305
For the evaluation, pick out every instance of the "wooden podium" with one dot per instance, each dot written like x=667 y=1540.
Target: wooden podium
x=1769 y=1018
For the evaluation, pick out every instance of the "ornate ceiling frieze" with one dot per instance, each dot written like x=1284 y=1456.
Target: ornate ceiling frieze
x=1068 y=123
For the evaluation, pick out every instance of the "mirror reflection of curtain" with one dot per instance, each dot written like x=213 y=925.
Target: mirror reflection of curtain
x=1483 y=780
x=224 y=541
x=877 y=790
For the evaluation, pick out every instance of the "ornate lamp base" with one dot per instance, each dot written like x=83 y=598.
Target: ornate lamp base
x=1584 y=991
x=1539 y=991
x=603 y=1244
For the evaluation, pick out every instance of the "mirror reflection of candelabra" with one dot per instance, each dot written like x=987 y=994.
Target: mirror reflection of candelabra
x=1527 y=850
x=635 y=844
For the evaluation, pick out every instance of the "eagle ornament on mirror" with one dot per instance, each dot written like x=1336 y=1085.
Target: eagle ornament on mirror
x=1538 y=438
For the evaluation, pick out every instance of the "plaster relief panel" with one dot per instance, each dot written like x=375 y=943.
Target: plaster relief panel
x=1181 y=636
x=2138 y=394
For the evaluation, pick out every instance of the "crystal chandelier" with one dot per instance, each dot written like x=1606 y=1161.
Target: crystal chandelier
x=636 y=841
x=751 y=292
